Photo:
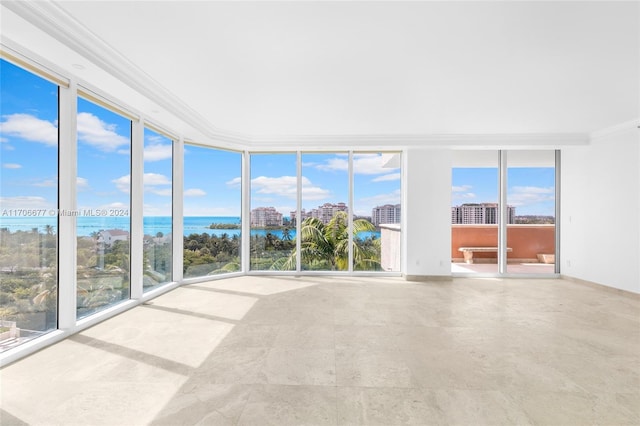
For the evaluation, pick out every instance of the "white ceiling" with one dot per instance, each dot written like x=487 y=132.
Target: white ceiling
x=265 y=69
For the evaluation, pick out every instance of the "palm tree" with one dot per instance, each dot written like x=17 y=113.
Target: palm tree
x=327 y=245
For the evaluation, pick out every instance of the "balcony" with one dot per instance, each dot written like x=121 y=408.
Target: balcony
x=532 y=248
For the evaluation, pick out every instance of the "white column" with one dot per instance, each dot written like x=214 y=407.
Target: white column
x=502 y=206
x=136 y=211
x=558 y=182
x=299 y=210
x=245 y=217
x=178 y=209
x=426 y=215
x=68 y=170
x=350 y=216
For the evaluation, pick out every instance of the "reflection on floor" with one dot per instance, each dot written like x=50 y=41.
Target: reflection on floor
x=512 y=268
x=344 y=350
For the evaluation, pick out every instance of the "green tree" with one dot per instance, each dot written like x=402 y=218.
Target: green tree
x=326 y=246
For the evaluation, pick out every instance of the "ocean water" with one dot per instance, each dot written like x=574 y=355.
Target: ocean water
x=86 y=226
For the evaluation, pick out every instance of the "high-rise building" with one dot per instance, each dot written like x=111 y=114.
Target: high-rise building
x=482 y=213
x=324 y=212
x=265 y=216
x=389 y=213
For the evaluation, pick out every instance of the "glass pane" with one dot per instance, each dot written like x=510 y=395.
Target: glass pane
x=376 y=209
x=531 y=196
x=103 y=222
x=474 y=212
x=212 y=206
x=29 y=198
x=158 y=209
x=325 y=213
x=273 y=208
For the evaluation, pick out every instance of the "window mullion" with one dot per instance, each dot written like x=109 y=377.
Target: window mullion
x=67 y=175
x=137 y=230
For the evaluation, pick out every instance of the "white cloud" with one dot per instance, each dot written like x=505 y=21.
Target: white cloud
x=235 y=182
x=286 y=186
x=381 y=199
x=48 y=183
x=312 y=192
x=464 y=195
x=154 y=179
x=25 y=202
x=283 y=186
x=11 y=166
x=532 y=190
x=194 y=192
x=366 y=204
x=123 y=183
x=462 y=188
x=157 y=151
x=385 y=178
x=155 y=138
x=462 y=192
x=97 y=133
x=162 y=192
x=526 y=195
x=363 y=164
x=30 y=128
x=82 y=183
x=151 y=182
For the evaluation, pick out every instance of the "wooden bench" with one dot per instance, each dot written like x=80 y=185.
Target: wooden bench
x=467 y=252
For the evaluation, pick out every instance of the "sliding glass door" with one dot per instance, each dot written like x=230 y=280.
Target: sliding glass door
x=531 y=193
x=504 y=212
x=474 y=212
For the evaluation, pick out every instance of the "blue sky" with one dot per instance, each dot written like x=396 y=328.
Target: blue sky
x=529 y=189
x=324 y=180
x=211 y=183
x=28 y=117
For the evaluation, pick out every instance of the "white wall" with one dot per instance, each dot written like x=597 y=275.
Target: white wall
x=427 y=212
x=600 y=217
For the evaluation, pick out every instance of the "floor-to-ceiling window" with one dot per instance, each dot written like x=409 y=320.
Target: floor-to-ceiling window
x=376 y=212
x=29 y=208
x=274 y=195
x=103 y=188
x=157 y=207
x=334 y=211
x=212 y=203
x=325 y=212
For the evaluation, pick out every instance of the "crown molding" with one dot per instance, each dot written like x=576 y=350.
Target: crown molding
x=56 y=22
x=553 y=140
x=607 y=131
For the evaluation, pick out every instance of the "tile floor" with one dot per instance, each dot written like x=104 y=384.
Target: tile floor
x=342 y=351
